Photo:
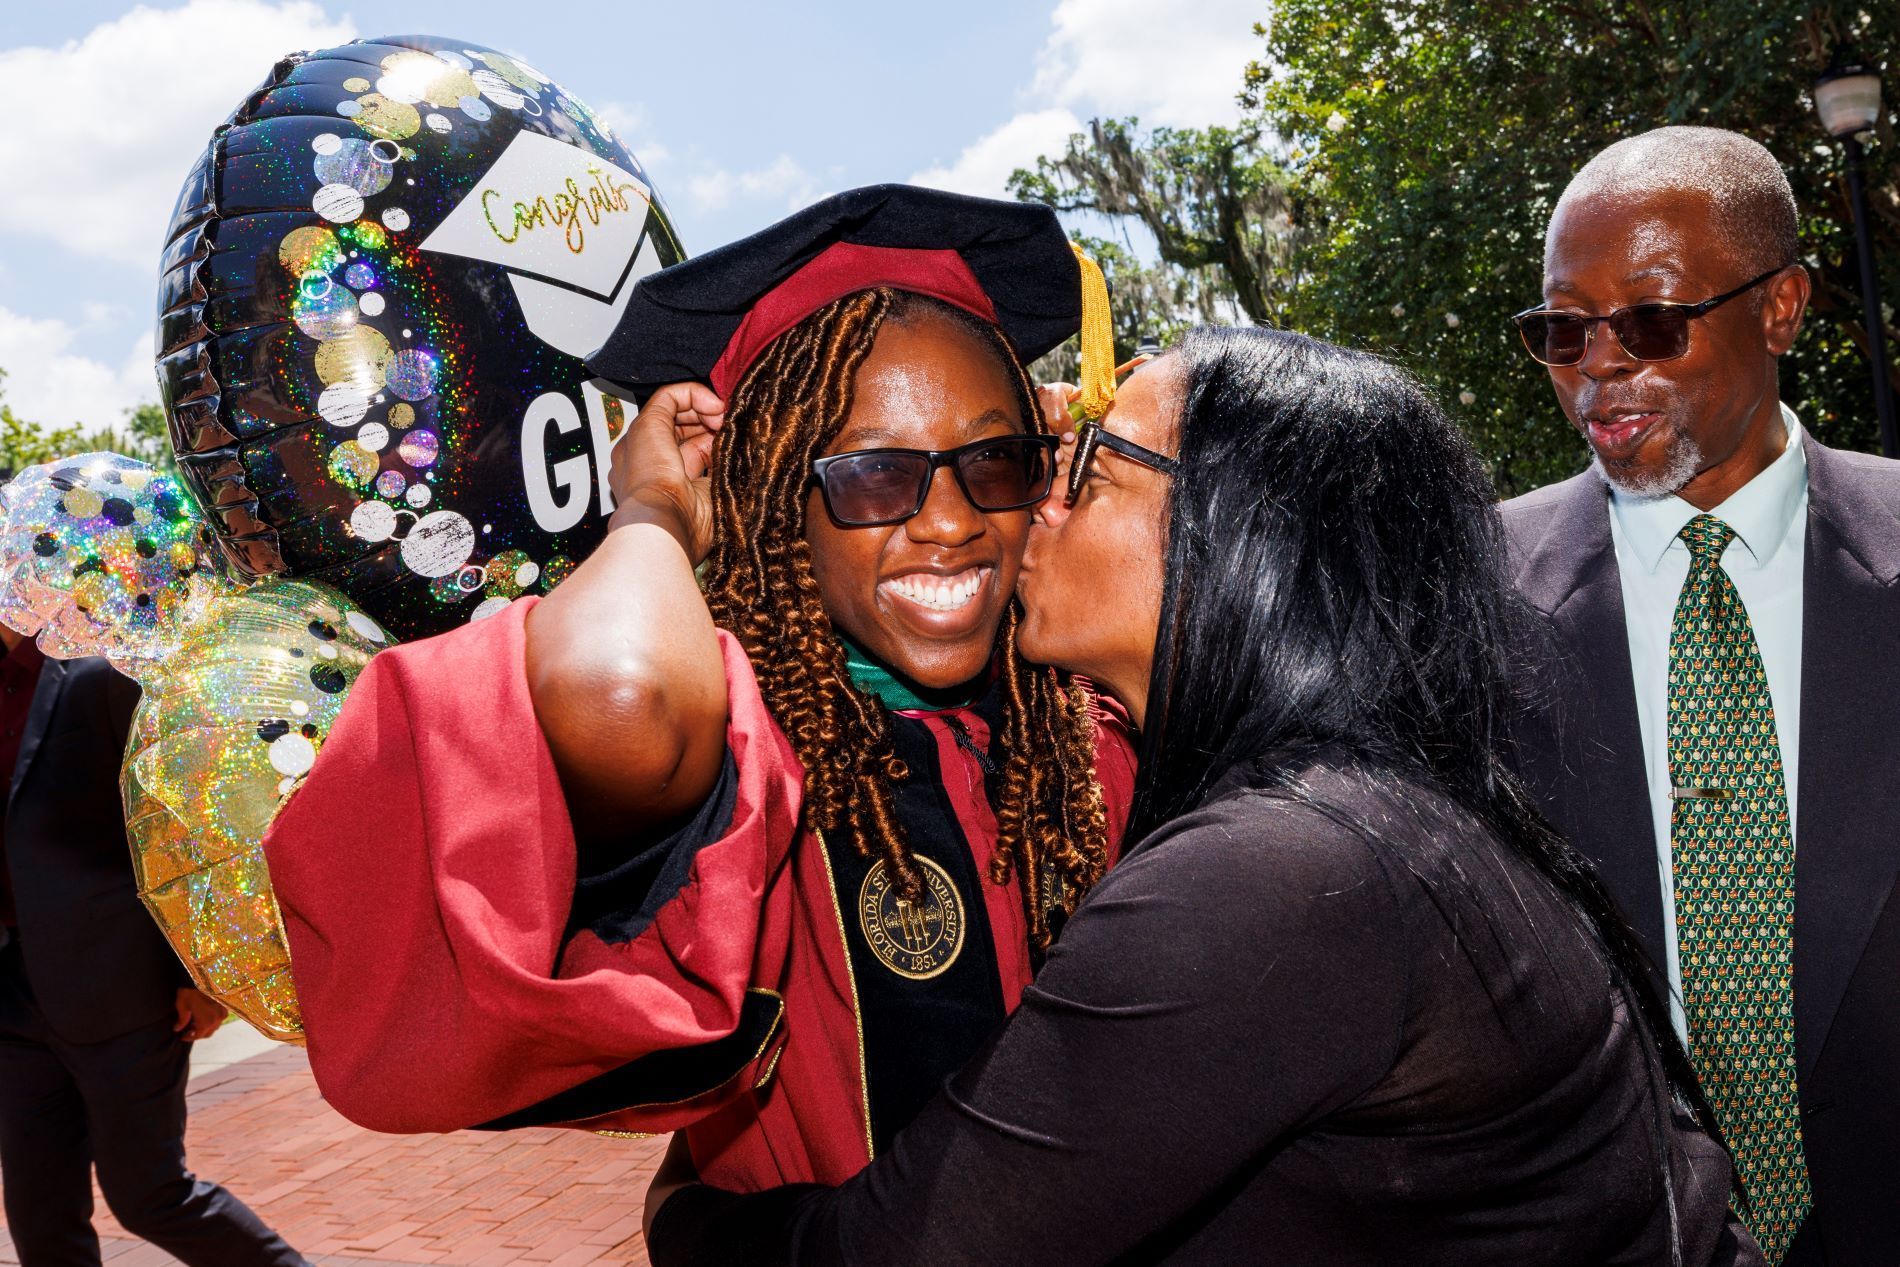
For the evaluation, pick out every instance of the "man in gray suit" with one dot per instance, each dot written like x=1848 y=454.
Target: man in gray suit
x=1719 y=721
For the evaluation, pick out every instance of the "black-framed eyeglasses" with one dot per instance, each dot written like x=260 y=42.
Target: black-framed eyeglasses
x=1648 y=332
x=1091 y=438
x=887 y=486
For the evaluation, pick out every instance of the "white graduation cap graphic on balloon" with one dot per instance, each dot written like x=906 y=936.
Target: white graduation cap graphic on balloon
x=571 y=229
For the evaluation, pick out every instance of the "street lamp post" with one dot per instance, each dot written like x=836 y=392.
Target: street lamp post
x=1848 y=99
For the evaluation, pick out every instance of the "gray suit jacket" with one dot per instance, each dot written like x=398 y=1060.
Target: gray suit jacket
x=1582 y=753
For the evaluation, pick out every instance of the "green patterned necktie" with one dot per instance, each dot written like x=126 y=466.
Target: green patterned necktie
x=1734 y=875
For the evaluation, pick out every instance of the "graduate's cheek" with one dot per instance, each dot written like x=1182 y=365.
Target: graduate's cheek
x=844 y=564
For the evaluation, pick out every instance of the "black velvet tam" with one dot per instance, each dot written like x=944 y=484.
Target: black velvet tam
x=710 y=317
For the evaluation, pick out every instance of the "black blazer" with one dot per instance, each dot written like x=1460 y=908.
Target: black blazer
x=1583 y=755
x=97 y=963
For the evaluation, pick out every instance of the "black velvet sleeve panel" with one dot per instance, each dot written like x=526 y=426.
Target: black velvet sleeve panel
x=621 y=888
x=671 y=1076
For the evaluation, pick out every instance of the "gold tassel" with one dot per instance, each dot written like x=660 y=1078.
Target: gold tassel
x=1096 y=378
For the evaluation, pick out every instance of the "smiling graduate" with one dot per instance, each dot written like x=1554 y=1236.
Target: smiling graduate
x=758 y=825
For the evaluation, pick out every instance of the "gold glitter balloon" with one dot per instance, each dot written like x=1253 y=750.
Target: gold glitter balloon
x=225 y=731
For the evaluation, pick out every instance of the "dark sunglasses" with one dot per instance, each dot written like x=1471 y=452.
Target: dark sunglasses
x=1090 y=438
x=1648 y=332
x=888 y=486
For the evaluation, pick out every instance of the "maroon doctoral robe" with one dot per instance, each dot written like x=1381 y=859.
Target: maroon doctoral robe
x=458 y=964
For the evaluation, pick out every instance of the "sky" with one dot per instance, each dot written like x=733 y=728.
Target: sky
x=740 y=112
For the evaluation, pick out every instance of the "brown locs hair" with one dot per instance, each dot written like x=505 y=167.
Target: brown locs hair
x=1051 y=826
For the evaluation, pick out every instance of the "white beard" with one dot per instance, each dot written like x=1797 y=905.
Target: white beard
x=1685 y=463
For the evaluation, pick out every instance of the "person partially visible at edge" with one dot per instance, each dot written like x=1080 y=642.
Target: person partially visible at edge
x=97 y=1015
x=763 y=855
x=1349 y=1000
x=1725 y=650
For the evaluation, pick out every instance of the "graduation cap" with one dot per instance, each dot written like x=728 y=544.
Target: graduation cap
x=710 y=317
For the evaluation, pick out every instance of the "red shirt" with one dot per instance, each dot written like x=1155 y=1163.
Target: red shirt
x=19 y=674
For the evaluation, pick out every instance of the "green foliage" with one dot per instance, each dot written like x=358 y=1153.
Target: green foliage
x=24 y=443
x=1429 y=141
x=144 y=436
x=1216 y=203
x=1150 y=301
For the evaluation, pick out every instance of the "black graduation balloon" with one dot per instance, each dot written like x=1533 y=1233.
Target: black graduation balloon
x=377 y=290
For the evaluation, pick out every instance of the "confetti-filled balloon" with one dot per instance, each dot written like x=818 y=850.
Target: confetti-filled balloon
x=224 y=733
x=101 y=555
x=380 y=281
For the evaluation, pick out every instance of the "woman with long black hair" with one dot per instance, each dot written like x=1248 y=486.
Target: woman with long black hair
x=1350 y=1000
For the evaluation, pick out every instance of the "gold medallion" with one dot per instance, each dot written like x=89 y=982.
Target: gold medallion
x=917 y=939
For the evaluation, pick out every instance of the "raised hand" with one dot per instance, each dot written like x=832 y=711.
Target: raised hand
x=660 y=469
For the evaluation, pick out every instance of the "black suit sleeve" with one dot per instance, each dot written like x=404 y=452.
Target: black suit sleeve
x=121 y=702
x=1220 y=988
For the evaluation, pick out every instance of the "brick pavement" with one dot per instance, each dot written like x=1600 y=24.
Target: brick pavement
x=343 y=1195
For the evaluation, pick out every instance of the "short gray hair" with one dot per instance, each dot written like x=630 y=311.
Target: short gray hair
x=1754 y=205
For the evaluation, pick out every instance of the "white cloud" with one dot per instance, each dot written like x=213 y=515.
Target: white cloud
x=629 y=123
x=1177 y=65
x=782 y=180
x=984 y=168
x=703 y=184
x=710 y=189
x=54 y=378
x=105 y=127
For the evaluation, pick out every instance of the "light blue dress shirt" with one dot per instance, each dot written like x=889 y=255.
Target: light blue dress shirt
x=1770 y=518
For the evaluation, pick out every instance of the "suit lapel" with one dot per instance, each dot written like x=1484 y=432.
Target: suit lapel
x=1600 y=789
x=45 y=699
x=1845 y=859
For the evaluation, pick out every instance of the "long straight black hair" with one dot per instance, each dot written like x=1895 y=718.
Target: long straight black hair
x=1336 y=581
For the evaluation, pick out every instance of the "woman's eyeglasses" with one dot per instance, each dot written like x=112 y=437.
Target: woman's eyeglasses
x=1090 y=438
x=1648 y=332
x=887 y=486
